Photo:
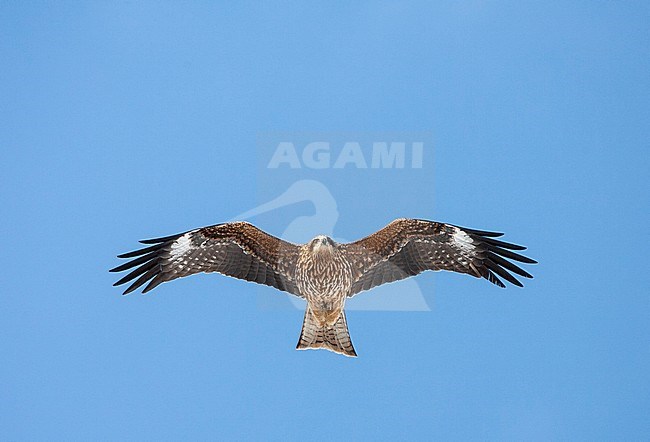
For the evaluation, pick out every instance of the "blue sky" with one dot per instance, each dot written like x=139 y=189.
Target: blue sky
x=122 y=121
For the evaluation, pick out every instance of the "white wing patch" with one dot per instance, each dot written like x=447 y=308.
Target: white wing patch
x=181 y=246
x=463 y=241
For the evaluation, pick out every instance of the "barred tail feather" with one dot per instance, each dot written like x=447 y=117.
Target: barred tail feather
x=334 y=337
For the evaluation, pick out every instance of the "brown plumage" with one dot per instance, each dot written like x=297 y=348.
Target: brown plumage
x=322 y=271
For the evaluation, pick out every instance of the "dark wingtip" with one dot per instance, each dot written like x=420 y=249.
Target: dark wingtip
x=161 y=239
x=496 y=250
x=140 y=252
x=136 y=262
x=494 y=279
x=482 y=232
x=502 y=244
x=155 y=282
x=494 y=259
x=129 y=290
x=512 y=255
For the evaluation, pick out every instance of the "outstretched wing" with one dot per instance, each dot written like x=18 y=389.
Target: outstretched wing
x=407 y=247
x=237 y=249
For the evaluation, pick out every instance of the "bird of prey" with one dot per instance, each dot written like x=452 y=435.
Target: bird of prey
x=323 y=272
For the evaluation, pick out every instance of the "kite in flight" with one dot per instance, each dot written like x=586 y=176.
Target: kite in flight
x=322 y=271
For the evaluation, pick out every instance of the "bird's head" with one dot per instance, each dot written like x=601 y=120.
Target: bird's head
x=321 y=243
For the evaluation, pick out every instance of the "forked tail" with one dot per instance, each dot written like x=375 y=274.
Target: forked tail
x=334 y=337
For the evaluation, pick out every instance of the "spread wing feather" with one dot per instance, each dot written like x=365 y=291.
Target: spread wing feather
x=407 y=247
x=237 y=249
